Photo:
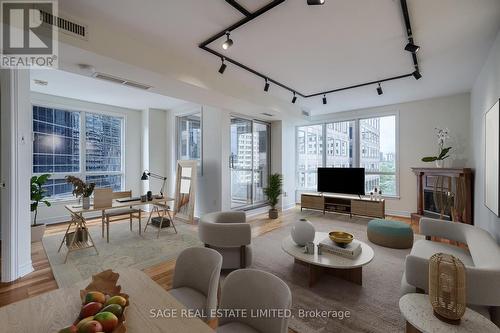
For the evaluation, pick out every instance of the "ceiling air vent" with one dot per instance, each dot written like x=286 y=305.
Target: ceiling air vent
x=121 y=81
x=66 y=26
x=267 y=114
x=306 y=113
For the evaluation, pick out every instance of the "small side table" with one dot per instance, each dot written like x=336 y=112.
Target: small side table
x=417 y=310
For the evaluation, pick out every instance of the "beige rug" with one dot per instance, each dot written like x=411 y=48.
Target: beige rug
x=373 y=306
x=125 y=249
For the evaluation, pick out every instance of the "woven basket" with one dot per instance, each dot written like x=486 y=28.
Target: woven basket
x=447 y=287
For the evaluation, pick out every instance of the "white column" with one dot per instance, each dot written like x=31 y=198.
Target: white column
x=16 y=164
x=145 y=149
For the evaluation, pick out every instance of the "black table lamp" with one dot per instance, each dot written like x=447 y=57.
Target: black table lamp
x=146 y=174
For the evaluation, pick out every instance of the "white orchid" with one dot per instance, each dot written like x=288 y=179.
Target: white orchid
x=442 y=134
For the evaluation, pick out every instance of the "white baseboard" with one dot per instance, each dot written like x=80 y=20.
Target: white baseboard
x=290 y=206
x=400 y=213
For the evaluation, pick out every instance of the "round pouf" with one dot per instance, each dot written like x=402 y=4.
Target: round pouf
x=303 y=232
x=393 y=234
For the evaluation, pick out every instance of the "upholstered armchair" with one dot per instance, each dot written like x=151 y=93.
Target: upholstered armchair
x=482 y=262
x=230 y=234
x=196 y=280
x=252 y=289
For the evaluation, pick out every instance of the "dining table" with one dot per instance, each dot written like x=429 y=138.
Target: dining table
x=151 y=309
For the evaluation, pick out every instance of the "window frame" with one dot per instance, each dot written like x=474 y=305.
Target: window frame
x=82 y=110
x=356 y=118
x=177 y=117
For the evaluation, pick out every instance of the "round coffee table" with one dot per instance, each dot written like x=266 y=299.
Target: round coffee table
x=417 y=310
x=344 y=268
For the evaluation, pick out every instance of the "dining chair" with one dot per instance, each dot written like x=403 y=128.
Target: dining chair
x=196 y=280
x=119 y=212
x=254 y=290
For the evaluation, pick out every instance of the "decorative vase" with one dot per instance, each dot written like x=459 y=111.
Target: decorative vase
x=85 y=202
x=439 y=163
x=273 y=213
x=303 y=232
x=447 y=287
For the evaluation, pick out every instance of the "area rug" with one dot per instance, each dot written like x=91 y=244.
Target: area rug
x=125 y=249
x=373 y=307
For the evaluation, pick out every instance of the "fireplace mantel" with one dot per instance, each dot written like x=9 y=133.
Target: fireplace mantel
x=426 y=178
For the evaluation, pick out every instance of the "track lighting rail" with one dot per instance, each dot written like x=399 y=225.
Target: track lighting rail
x=251 y=16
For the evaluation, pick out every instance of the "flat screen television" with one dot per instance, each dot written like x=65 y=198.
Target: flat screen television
x=342 y=180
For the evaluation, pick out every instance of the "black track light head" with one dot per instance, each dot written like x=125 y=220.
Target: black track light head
x=222 y=66
x=294 y=99
x=266 y=86
x=410 y=47
x=324 y=100
x=315 y=2
x=379 y=90
x=416 y=74
x=228 y=43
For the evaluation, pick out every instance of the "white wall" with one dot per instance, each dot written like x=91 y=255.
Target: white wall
x=417 y=121
x=485 y=94
x=132 y=144
x=15 y=174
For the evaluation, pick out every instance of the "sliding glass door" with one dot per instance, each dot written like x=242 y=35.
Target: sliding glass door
x=249 y=162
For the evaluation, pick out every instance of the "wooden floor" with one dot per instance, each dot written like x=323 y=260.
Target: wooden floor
x=42 y=280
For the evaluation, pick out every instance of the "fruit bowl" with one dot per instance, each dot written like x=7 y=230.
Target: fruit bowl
x=341 y=238
x=103 y=306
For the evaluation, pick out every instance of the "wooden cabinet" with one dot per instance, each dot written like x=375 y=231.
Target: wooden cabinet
x=368 y=208
x=312 y=201
x=343 y=204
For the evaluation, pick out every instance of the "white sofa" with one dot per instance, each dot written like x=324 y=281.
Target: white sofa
x=230 y=234
x=482 y=262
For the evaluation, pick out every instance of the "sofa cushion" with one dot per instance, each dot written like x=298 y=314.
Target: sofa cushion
x=425 y=249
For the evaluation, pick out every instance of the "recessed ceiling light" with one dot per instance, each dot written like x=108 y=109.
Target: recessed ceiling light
x=40 y=82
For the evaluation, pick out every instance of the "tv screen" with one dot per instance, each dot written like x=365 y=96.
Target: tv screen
x=341 y=180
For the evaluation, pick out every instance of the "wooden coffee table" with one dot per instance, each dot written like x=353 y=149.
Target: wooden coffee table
x=341 y=267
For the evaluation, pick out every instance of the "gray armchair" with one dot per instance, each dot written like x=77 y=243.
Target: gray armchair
x=196 y=279
x=230 y=235
x=252 y=290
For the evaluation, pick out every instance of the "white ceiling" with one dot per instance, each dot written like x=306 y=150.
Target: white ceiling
x=314 y=48
x=65 y=84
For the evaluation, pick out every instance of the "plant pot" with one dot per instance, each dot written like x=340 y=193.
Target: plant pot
x=85 y=202
x=439 y=163
x=37 y=232
x=273 y=213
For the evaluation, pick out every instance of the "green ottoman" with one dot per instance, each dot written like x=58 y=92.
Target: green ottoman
x=393 y=234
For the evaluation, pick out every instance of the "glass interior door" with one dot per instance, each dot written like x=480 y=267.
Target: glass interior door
x=249 y=162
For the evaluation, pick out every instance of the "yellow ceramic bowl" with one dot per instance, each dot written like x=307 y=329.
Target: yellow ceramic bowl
x=341 y=238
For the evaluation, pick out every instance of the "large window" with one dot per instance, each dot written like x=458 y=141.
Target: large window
x=60 y=149
x=189 y=137
x=369 y=143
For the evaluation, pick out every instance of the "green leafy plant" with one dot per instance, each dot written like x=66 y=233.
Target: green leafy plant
x=443 y=154
x=80 y=188
x=274 y=189
x=38 y=193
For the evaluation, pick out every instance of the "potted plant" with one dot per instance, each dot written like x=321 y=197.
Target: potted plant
x=81 y=189
x=273 y=191
x=38 y=195
x=442 y=135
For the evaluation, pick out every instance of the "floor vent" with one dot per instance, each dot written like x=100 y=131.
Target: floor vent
x=121 y=81
x=66 y=26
